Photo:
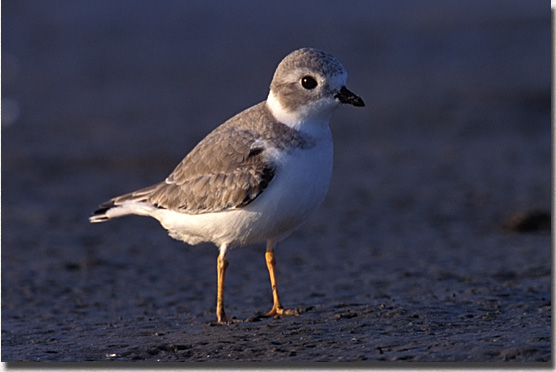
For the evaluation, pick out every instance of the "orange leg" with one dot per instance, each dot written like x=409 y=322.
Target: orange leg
x=221 y=266
x=277 y=308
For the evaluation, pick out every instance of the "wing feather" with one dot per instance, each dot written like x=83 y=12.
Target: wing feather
x=222 y=172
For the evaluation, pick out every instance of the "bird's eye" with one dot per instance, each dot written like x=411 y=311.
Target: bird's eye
x=308 y=82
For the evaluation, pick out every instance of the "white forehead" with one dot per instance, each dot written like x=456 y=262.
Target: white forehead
x=338 y=80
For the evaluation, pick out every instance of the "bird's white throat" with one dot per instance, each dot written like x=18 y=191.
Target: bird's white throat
x=310 y=118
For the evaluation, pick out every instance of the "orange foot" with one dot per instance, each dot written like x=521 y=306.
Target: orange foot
x=223 y=319
x=282 y=311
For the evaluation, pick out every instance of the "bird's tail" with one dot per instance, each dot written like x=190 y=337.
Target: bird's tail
x=132 y=203
x=100 y=215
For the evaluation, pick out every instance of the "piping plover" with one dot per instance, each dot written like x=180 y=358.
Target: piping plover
x=256 y=177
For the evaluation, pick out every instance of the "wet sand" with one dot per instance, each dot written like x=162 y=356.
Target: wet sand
x=433 y=243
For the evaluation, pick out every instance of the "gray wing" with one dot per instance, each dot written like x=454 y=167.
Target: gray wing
x=228 y=169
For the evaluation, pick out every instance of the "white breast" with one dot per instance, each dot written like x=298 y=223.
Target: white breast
x=298 y=189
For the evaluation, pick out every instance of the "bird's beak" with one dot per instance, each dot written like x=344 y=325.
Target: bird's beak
x=345 y=96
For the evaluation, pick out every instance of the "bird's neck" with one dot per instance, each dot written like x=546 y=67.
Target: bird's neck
x=306 y=119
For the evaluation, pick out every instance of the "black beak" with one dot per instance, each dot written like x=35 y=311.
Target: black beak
x=345 y=96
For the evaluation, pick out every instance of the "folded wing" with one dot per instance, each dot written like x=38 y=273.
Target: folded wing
x=227 y=170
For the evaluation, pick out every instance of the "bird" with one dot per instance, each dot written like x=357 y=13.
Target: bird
x=258 y=176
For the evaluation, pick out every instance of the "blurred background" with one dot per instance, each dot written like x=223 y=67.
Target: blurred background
x=441 y=171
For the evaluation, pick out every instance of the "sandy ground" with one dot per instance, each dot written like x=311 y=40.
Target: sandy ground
x=433 y=243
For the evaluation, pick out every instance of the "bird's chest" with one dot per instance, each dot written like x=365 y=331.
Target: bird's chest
x=301 y=180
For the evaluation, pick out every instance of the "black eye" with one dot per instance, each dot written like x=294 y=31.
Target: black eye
x=308 y=82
